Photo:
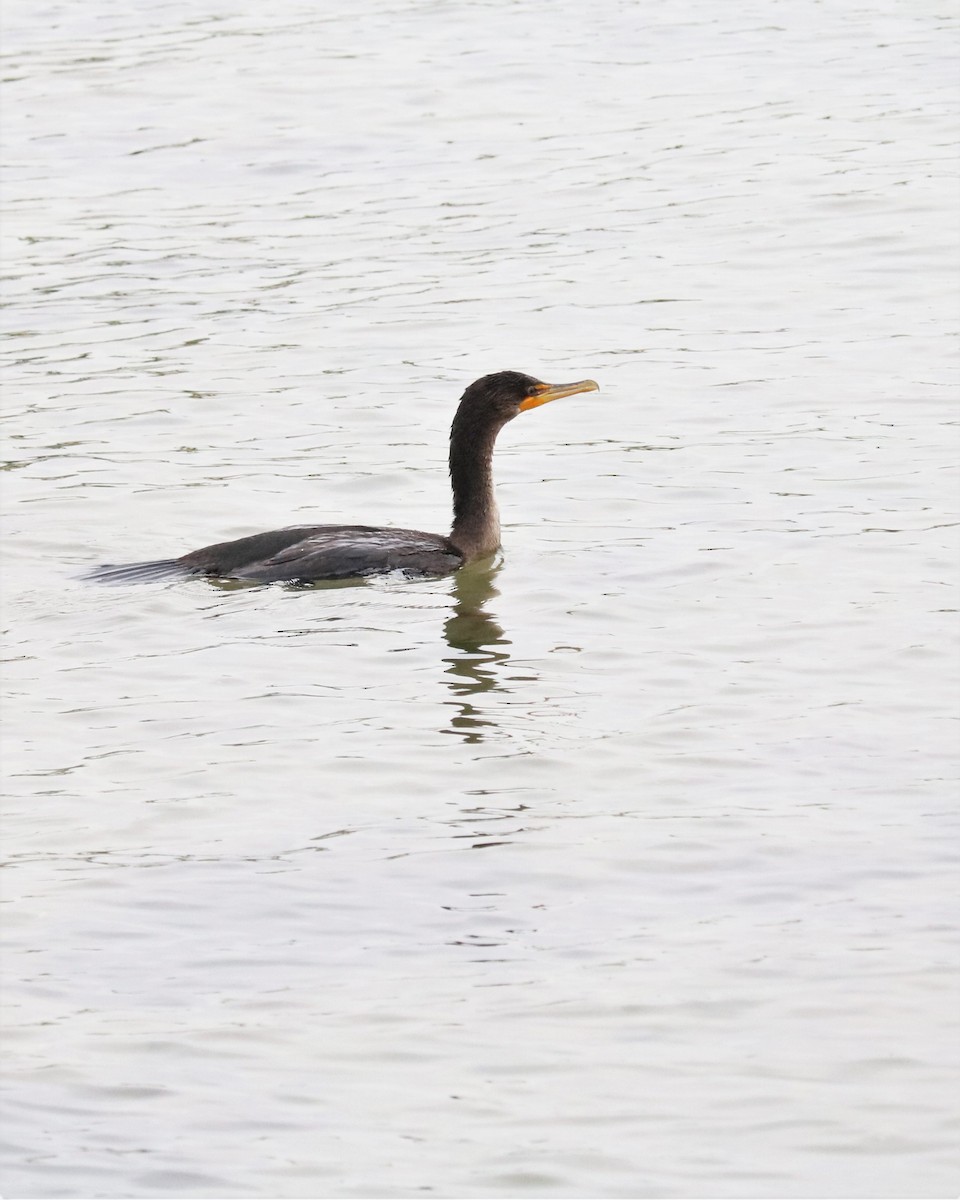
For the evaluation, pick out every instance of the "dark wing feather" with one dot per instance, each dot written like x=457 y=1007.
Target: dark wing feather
x=303 y=553
x=348 y=552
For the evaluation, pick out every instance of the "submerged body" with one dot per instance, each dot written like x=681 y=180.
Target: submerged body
x=307 y=553
x=302 y=554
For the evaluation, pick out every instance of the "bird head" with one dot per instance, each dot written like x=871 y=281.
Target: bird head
x=506 y=394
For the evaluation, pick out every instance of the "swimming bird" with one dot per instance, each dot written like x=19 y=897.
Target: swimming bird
x=306 y=553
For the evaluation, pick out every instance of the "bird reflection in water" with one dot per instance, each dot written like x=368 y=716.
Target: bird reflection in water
x=478 y=647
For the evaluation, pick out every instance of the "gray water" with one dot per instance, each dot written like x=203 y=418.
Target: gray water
x=623 y=868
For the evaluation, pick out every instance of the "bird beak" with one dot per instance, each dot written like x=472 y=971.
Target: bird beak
x=549 y=391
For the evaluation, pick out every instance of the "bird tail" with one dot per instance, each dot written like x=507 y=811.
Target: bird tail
x=144 y=572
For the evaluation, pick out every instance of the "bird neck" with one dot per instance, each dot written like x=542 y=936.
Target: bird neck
x=476 y=521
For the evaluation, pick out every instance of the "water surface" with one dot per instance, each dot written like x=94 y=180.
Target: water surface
x=624 y=867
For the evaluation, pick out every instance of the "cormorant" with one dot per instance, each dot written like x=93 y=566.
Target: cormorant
x=304 y=553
